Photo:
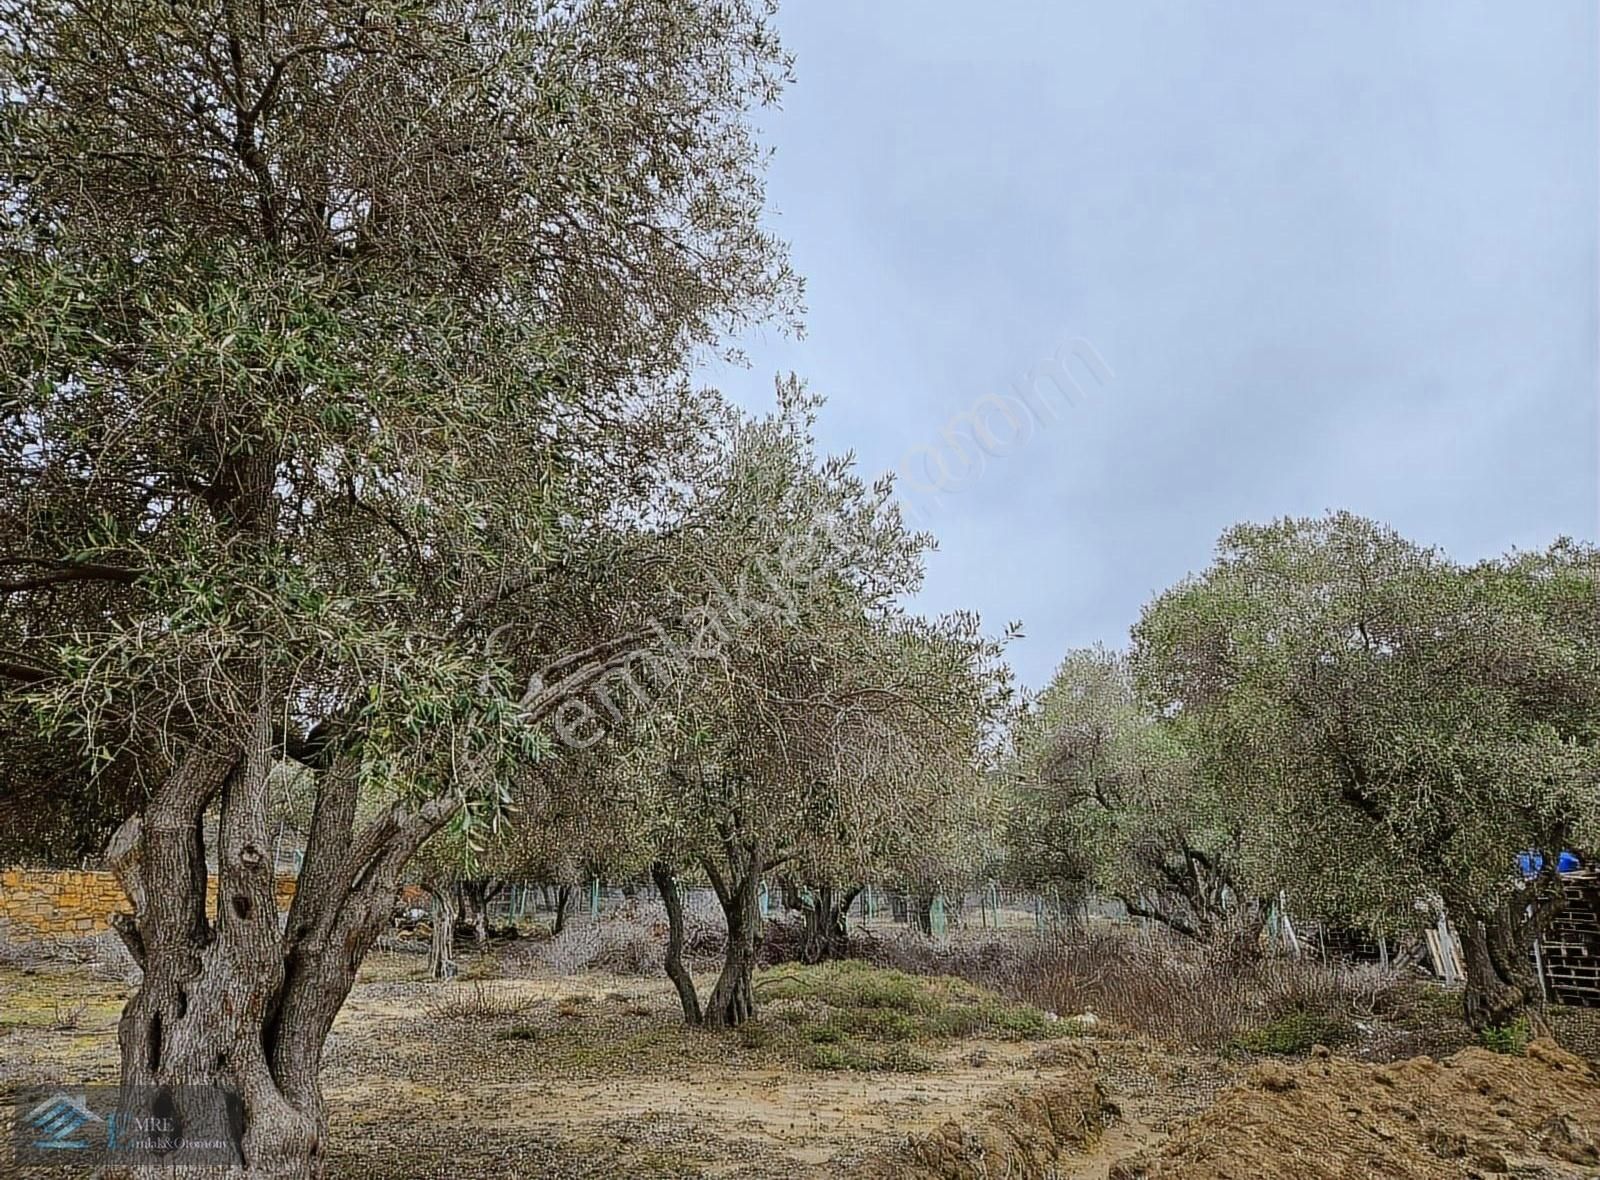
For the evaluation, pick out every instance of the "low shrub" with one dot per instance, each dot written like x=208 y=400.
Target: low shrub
x=851 y=1015
x=630 y=940
x=977 y=955
x=1176 y=991
x=104 y=955
x=1511 y=1039
x=866 y=1059
x=479 y=1001
x=1292 y=1034
x=622 y=947
x=828 y=1055
x=854 y=984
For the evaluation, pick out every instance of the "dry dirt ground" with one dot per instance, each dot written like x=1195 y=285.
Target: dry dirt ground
x=593 y=1076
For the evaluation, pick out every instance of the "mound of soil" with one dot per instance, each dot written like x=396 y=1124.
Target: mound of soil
x=1022 y=1132
x=1472 y=1115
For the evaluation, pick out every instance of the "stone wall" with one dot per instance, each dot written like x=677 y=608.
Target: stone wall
x=46 y=903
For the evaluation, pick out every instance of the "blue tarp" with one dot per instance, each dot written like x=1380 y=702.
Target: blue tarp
x=1532 y=862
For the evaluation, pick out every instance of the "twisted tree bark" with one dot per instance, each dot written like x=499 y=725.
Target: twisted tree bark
x=1502 y=986
x=738 y=891
x=475 y=896
x=442 y=945
x=230 y=1000
x=826 y=934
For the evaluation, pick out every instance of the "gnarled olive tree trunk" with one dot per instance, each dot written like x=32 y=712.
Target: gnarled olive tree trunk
x=1191 y=893
x=1502 y=985
x=230 y=998
x=826 y=933
x=442 y=943
x=475 y=896
x=738 y=891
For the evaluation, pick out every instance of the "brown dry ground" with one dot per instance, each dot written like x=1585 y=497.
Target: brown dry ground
x=1473 y=1114
x=597 y=1077
x=577 y=1078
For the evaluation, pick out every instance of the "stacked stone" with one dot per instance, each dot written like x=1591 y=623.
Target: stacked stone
x=41 y=903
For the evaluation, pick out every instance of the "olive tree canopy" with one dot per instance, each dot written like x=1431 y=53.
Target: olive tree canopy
x=1110 y=796
x=327 y=332
x=1396 y=727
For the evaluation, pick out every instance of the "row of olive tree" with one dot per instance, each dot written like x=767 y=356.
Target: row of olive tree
x=333 y=338
x=785 y=720
x=1336 y=714
x=347 y=442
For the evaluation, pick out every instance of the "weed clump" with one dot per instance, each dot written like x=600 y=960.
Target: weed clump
x=1293 y=1034
x=480 y=1001
x=1511 y=1039
x=1184 y=993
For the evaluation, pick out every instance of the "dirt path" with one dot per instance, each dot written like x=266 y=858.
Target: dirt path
x=1124 y=1139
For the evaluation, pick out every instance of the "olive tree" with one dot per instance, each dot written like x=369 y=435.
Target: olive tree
x=790 y=714
x=1399 y=727
x=574 y=820
x=1109 y=796
x=832 y=757
x=326 y=330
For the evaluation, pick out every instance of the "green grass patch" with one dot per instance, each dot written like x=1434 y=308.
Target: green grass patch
x=823 y=1034
x=852 y=984
x=865 y=1058
x=1511 y=1039
x=853 y=1016
x=1292 y=1034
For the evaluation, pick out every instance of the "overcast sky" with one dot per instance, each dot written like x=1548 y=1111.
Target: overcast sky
x=1335 y=256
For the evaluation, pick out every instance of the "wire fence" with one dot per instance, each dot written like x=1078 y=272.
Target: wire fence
x=873 y=908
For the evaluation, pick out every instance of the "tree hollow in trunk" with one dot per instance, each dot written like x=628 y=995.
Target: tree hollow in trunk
x=232 y=999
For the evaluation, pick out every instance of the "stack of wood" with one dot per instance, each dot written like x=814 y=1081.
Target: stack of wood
x=1444 y=953
x=1347 y=944
x=1571 y=946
